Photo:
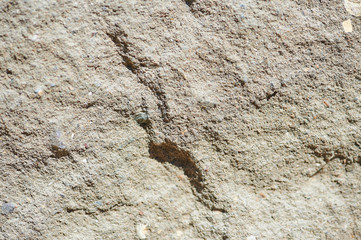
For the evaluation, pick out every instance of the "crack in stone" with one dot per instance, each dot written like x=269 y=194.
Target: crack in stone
x=134 y=65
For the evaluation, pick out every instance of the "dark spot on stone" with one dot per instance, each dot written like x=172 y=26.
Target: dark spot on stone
x=169 y=152
x=189 y=2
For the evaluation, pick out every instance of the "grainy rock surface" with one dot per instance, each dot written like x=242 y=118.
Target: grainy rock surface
x=202 y=119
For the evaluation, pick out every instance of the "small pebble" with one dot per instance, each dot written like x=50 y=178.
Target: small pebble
x=272 y=86
x=347 y=26
x=40 y=92
x=263 y=195
x=181 y=177
x=142 y=118
x=8 y=208
x=326 y=103
x=57 y=146
x=56 y=140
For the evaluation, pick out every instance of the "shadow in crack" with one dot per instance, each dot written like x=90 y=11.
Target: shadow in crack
x=169 y=152
x=189 y=2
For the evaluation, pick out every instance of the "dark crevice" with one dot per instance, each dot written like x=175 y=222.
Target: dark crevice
x=133 y=64
x=157 y=91
x=329 y=155
x=189 y=2
x=271 y=95
x=59 y=152
x=129 y=64
x=215 y=209
x=169 y=152
x=124 y=49
x=256 y=104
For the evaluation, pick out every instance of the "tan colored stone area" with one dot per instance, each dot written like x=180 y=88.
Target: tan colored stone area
x=178 y=119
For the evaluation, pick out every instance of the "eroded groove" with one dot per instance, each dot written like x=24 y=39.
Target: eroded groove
x=169 y=152
x=123 y=48
x=134 y=67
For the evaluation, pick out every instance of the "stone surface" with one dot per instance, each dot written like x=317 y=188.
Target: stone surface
x=253 y=128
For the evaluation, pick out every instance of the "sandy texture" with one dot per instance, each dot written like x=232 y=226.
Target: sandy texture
x=197 y=119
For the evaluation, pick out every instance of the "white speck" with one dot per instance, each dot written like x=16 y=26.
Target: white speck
x=34 y=38
x=141 y=231
x=85 y=160
x=251 y=238
x=90 y=93
x=38 y=90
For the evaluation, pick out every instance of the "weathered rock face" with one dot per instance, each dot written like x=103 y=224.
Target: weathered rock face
x=179 y=120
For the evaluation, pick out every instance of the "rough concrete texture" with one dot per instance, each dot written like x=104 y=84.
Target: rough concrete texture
x=173 y=119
